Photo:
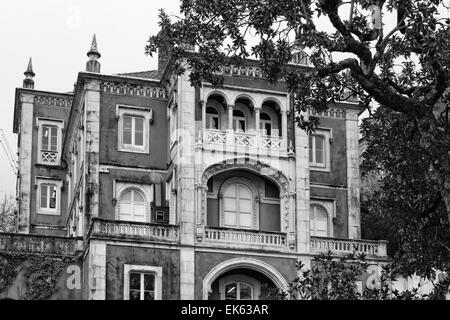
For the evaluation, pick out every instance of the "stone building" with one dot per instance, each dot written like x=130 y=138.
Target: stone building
x=180 y=192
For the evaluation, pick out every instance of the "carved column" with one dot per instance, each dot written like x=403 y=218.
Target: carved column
x=257 y=120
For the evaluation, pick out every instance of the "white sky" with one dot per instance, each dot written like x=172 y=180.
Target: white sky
x=57 y=34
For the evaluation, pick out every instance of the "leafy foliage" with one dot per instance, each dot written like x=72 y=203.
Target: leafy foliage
x=405 y=206
x=330 y=278
x=7 y=217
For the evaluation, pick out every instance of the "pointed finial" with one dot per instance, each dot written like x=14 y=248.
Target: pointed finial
x=28 y=82
x=93 y=65
x=30 y=69
x=94 y=50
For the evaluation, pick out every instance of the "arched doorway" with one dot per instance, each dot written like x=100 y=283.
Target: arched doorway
x=242 y=279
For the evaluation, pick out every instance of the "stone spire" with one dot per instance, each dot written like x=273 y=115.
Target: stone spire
x=28 y=82
x=93 y=65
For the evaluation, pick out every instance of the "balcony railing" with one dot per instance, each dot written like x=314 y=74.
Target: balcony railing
x=245 y=237
x=345 y=246
x=217 y=139
x=49 y=157
x=135 y=230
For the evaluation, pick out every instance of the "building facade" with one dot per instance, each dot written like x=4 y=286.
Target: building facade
x=181 y=192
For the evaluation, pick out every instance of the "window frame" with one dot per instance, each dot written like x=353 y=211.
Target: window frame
x=134 y=112
x=156 y=271
x=59 y=124
x=48 y=181
x=326 y=165
x=329 y=206
x=254 y=218
x=146 y=190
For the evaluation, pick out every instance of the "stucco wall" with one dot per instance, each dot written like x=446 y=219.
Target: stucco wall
x=159 y=144
x=38 y=170
x=117 y=256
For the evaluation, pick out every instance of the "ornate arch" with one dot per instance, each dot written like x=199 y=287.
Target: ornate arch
x=262 y=169
x=245 y=96
x=247 y=263
x=220 y=93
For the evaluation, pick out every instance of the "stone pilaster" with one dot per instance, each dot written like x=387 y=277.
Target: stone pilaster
x=97 y=270
x=187 y=274
x=25 y=161
x=302 y=190
x=92 y=156
x=352 y=149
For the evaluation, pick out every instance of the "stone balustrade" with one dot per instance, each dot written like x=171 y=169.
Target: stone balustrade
x=371 y=248
x=245 y=237
x=228 y=140
x=134 y=230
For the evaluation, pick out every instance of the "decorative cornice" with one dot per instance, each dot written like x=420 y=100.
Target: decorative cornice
x=53 y=101
x=329 y=113
x=134 y=90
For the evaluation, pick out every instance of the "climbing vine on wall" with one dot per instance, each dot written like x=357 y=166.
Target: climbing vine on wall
x=41 y=274
x=9 y=264
x=41 y=277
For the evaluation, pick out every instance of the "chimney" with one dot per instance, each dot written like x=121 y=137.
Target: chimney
x=28 y=82
x=93 y=65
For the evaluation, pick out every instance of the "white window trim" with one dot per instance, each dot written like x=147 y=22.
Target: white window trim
x=326 y=167
x=329 y=206
x=134 y=111
x=47 y=211
x=240 y=278
x=156 y=271
x=40 y=122
x=146 y=190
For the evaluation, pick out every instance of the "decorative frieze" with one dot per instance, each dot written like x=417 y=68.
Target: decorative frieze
x=134 y=90
x=53 y=101
x=329 y=113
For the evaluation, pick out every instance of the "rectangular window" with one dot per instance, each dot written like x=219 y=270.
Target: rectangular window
x=49 y=141
x=48 y=196
x=142 y=286
x=142 y=282
x=134 y=129
x=319 y=150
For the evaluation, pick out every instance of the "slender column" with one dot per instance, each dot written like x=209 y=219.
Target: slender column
x=203 y=104
x=230 y=116
x=284 y=129
x=257 y=120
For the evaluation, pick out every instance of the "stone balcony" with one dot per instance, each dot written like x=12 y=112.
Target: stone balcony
x=371 y=248
x=123 y=230
x=246 y=239
x=243 y=142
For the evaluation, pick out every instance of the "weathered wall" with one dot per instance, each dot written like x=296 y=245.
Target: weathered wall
x=340 y=197
x=107 y=209
x=117 y=256
x=25 y=260
x=338 y=171
x=109 y=154
x=39 y=170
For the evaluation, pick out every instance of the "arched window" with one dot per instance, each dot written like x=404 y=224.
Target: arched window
x=132 y=206
x=237 y=206
x=212 y=119
x=318 y=221
x=265 y=124
x=239 y=123
x=239 y=287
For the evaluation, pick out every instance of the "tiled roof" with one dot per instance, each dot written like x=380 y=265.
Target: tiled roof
x=152 y=74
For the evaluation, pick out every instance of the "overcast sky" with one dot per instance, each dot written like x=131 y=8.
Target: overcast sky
x=57 y=34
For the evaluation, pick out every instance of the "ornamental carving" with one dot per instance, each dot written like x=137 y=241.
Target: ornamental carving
x=134 y=90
